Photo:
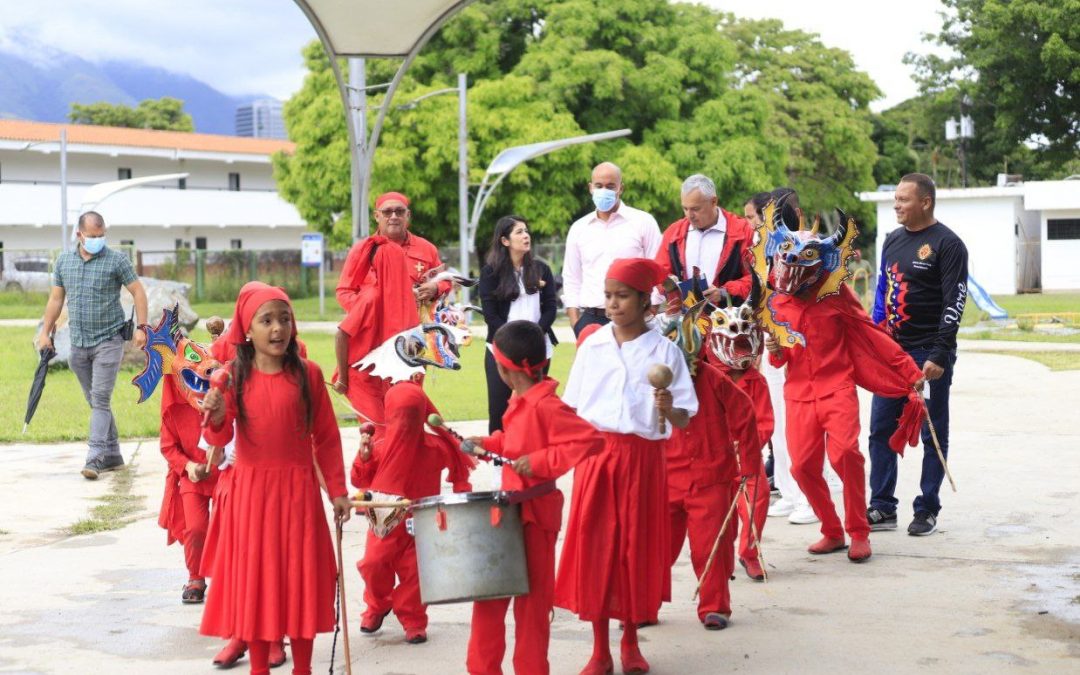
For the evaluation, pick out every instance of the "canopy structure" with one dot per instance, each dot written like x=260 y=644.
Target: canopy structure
x=372 y=28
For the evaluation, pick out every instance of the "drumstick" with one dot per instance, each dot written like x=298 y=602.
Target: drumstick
x=937 y=446
x=716 y=544
x=342 y=602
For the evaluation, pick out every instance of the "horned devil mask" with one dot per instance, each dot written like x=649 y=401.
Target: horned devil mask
x=170 y=352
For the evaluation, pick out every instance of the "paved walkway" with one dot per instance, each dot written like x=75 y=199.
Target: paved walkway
x=996 y=589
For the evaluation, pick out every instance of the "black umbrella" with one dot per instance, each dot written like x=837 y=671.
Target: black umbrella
x=38 y=386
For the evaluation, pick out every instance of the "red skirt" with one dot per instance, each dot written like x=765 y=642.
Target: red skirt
x=613 y=562
x=270 y=558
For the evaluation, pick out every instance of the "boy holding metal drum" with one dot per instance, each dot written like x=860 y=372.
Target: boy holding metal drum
x=545 y=438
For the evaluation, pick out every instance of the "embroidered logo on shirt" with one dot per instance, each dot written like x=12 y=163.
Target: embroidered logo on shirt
x=925 y=252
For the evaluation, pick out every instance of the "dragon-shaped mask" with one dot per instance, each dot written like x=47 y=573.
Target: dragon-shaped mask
x=170 y=352
x=735 y=336
x=407 y=354
x=803 y=258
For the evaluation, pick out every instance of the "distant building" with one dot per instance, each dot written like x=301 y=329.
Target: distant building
x=228 y=201
x=1020 y=237
x=261 y=119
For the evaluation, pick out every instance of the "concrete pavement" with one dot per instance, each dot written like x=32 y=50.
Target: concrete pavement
x=996 y=589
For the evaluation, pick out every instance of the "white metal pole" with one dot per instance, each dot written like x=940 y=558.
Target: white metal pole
x=463 y=180
x=358 y=120
x=63 y=191
x=322 y=282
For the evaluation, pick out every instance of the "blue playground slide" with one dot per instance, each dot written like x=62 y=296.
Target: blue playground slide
x=984 y=301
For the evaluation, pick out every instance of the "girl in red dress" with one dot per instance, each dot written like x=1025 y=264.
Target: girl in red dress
x=613 y=563
x=268 y=549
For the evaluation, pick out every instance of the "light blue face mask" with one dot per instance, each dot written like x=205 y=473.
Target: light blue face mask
x=604 y=199
x=93 y=245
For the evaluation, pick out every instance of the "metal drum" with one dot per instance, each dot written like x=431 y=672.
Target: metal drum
x=469 y=546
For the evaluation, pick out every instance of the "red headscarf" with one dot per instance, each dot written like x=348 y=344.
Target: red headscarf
x=253 y=295
x=387 y=196
x=641 y=274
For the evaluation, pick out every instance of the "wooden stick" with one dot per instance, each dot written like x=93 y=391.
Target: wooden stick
x=937 y=446
x=716 y=544
x=343 y=603
x=750 y=507
x=367 y=504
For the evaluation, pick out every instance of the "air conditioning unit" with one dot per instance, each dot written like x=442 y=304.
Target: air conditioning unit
x=1007 y=179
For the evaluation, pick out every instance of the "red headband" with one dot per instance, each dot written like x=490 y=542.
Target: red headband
x=641 y=274
x=387 y=196
x=253 y=295
x=536 y=372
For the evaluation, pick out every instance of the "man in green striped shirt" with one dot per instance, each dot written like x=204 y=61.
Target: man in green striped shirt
x=90 y=279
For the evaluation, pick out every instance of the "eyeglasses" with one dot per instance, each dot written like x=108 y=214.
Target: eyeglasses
x=390 y=213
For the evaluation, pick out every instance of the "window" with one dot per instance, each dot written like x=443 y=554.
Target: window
x=123 y=174
x=1063 y=228
x=235 y=244
x=234 y=182
x=127 y=242
x=200 y=243
x=181 y=184
x=32 y=265
x=180 y=244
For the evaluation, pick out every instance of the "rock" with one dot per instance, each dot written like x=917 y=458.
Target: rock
x=160 y=294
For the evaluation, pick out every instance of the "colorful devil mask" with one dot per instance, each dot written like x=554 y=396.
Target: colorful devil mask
x=170 y=352
x=736 y=337
x=683 y=322
x=801 y=259
x=408 y=353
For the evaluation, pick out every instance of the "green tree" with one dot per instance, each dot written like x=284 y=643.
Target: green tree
x=1019 y=61
x=700 y=91
x=165 y=113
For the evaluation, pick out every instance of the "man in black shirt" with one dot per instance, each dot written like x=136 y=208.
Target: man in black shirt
x=921 y=291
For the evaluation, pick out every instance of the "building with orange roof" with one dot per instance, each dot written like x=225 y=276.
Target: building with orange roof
x=227 y=200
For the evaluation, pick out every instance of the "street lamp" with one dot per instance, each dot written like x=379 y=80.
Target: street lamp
x=463 y=164
x=505 y=162
x=962 y=131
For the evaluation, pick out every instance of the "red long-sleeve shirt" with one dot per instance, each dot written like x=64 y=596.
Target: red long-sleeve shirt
x=421 y=256
x=538 y=424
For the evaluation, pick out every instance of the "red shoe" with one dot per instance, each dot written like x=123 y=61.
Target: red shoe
x=633 y=661
x=753 y=569
x=827 y=545
x=232 y=652
x=859 y=551
x=415 y=637
x=597 y=666
x=371 y=623
x=277 y=653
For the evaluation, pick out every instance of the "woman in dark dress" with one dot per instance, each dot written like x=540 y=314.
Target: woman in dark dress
x=513 y=286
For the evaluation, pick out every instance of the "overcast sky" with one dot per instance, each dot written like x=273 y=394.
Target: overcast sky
x=253 y=46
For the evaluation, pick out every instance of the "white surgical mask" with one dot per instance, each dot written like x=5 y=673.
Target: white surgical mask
x=93 y=245
x=604 y=199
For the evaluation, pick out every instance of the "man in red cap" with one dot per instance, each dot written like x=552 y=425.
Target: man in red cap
x=712 y=240
x=393 y=218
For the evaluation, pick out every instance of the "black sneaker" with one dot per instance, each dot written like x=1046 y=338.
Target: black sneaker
x=879 y=520
x=924 y=523
x=112 y=462
x=100 y=465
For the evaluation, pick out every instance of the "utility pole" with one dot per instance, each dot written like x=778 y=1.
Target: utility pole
x=361 y=216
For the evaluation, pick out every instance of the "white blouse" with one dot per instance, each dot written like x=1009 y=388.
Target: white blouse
x=608 y=385
x=526 y=307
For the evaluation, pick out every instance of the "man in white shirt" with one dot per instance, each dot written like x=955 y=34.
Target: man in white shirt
x=614 y=230
x=711 y=239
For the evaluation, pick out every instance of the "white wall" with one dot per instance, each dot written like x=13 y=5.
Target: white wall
x=987 y=228
x=1060 y=257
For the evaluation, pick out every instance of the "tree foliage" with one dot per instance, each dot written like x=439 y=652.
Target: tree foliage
x=165 y=113
x=1019 y=61
x=750 y=104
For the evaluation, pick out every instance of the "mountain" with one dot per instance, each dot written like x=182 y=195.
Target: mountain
x=43 y=86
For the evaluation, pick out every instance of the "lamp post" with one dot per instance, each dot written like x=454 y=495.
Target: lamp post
x=63 y=184
x=505 y=162
x=463 y=163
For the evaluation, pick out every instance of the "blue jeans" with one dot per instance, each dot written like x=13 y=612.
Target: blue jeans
x=883 y=465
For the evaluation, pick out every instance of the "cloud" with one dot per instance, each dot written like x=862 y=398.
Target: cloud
x=240 y=46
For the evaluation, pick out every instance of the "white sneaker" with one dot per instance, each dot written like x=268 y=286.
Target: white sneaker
x=802 y=515
x=781 y=507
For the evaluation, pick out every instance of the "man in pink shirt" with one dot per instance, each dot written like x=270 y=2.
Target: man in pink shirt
x=614 y=230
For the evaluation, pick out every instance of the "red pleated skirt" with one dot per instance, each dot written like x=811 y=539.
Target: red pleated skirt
x=269 y=557
x=614 y=558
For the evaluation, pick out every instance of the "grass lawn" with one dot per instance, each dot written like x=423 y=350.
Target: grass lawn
x=63 y=414
x=1052 y=360
x=22 y=305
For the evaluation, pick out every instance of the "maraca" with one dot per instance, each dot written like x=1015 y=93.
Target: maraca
x=660 y=377
x=218 y=380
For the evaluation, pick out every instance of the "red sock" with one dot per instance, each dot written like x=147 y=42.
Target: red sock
x=259 y=653
x=601 y=649
x=301 y=654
